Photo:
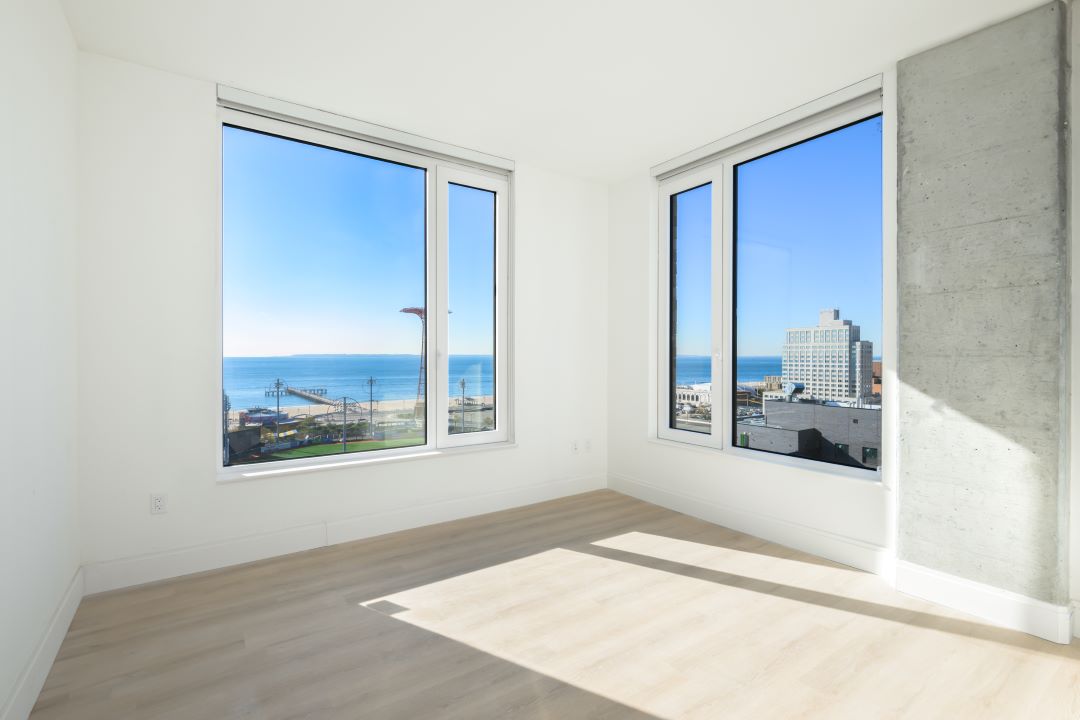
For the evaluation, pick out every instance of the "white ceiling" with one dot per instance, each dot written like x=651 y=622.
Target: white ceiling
x=597 y=88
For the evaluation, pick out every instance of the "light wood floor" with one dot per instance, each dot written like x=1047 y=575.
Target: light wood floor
x=595 y=606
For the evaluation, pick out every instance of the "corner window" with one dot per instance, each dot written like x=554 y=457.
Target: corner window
x=342 y=332
x=785 y=316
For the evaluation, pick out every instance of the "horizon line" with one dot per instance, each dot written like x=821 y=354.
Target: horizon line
x=302 y=355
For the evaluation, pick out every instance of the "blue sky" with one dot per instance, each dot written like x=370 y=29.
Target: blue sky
x=808 y=237
x=323 y=248
x=471 y=270
x=692 y=220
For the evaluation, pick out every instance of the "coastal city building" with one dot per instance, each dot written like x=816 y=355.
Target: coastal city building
x=830 y=360
x=692 y=407
x=694 y=395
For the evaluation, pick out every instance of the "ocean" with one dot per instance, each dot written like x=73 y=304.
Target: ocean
x=246 y=379
x=691 y=369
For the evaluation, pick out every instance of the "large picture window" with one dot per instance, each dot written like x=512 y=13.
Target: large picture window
x=341 y=333
x=807 y=267
x=771 y=293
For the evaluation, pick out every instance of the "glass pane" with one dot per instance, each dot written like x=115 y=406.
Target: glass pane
x=471 y=290
x=323 y=289
x=808 y=298
x=691 y=310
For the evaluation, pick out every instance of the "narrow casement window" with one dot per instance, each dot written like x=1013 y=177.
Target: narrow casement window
x=471 y=309
x=472 y=326
x=690 y=255
x=690 y=380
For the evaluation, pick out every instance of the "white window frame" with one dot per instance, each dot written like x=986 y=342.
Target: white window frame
x=669 y=189
x=442 y=164
x=447 y=175
x=715 y=163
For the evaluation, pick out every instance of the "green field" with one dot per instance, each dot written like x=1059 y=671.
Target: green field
x=335 y=449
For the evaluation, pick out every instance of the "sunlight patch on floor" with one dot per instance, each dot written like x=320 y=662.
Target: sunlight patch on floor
x=679 y=646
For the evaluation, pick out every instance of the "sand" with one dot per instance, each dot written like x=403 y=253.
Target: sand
x=383 y=408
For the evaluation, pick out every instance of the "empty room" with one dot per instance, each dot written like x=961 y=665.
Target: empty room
x=552 y=360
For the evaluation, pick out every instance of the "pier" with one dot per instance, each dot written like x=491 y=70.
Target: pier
x=318 y=395
x=315 y=395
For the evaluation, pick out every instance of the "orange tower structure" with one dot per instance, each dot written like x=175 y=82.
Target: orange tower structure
x=418 y=410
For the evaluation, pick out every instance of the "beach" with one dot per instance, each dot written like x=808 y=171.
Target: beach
x=385 y=410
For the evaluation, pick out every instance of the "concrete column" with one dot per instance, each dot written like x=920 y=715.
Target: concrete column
x=982 y=267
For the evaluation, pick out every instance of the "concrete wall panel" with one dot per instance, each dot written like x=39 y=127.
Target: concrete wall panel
x=983 y=304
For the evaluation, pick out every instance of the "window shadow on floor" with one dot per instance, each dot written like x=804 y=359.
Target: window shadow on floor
x=917 y=618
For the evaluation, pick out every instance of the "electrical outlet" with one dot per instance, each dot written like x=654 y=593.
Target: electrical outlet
x=159 y=504
x=574 y=447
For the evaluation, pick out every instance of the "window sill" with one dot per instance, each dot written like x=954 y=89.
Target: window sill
x=242 y=473
x=815 y=466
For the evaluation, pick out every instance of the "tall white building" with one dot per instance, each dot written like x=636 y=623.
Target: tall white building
x=830 y=360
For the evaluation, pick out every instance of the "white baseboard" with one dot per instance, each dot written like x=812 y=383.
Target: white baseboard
x=1001 y=607
x=126 y=572
x=1075 y=605
x=32 y=679
x=140 y=569
x=845 y=550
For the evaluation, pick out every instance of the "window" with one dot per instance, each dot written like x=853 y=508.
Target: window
x=364 y=294
x=771 y=289
x=474 y=367
x=691 y=362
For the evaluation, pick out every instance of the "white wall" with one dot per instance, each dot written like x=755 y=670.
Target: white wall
x=843 y=518
x=148 y=355
x=38 y=544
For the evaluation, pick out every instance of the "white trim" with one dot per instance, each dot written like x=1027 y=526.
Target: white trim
x=825 y=468
x=126 y=572
x=1074 y=606
x=1001 y=607
x=255 y=104
x=890 y=310
x=151 y=567
x=241 y=473
x=831 y=546
x=855 y=93
x=1071 y=459
x=32 y=679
